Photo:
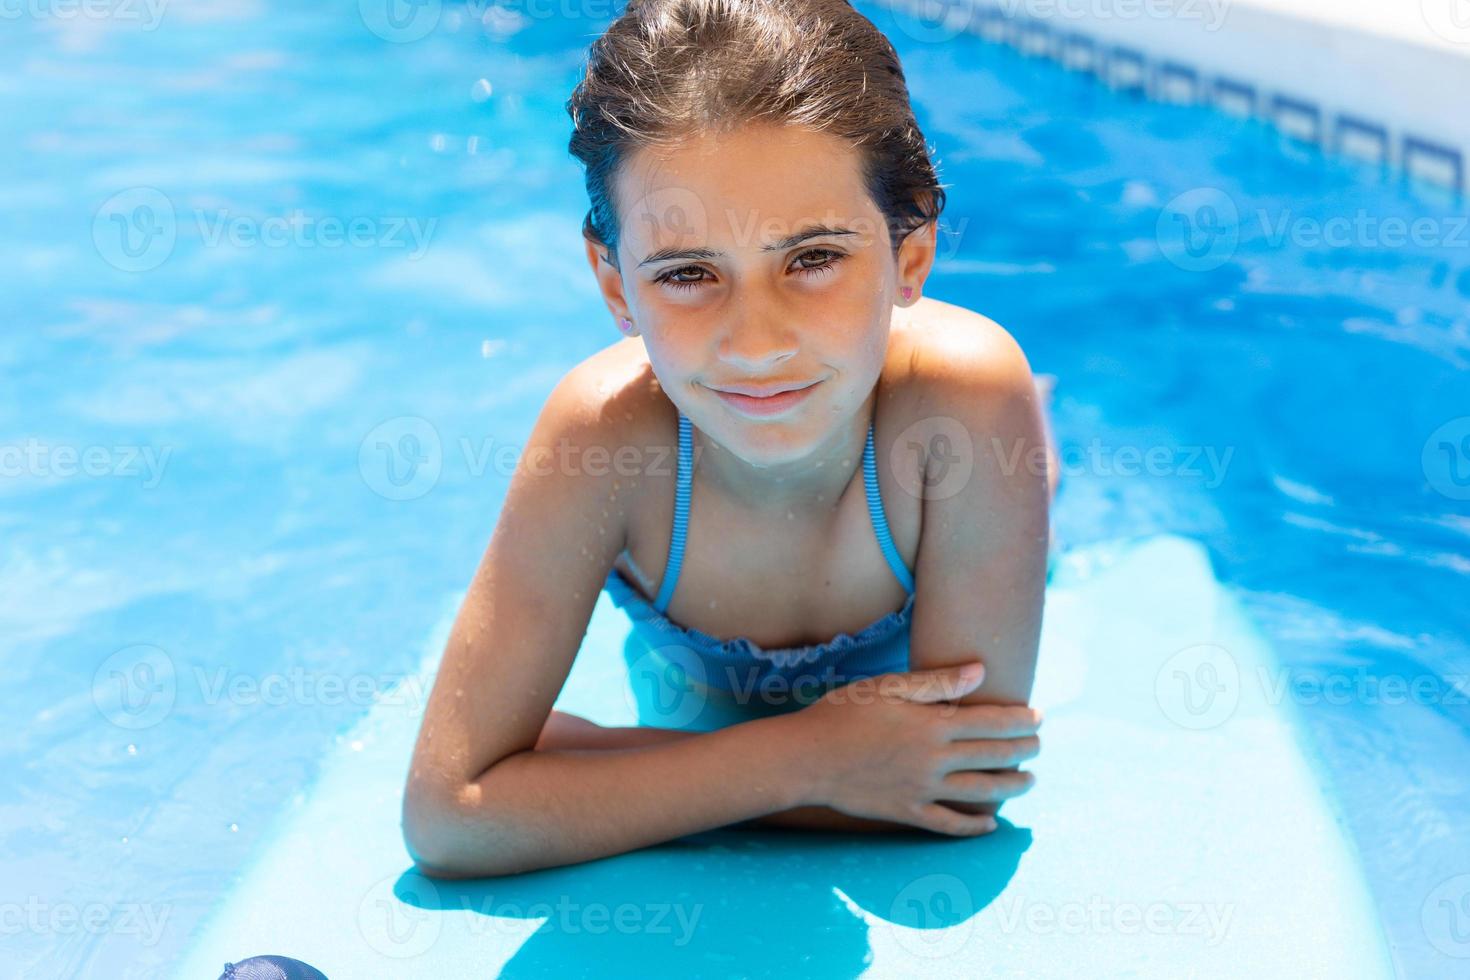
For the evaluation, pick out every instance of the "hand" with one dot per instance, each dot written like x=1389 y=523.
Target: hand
x=890 y=747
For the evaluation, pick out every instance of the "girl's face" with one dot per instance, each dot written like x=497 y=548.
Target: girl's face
x=758 y=259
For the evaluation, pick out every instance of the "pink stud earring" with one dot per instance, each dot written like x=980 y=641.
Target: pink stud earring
x=908 y=292
x=624 y=324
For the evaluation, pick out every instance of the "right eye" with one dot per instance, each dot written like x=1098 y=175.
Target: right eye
x=667 y=280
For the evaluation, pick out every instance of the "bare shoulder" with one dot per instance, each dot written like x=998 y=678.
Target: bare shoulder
x=612 y=398
x=948 y=359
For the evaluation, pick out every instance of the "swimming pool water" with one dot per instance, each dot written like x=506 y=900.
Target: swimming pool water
x=288 y=452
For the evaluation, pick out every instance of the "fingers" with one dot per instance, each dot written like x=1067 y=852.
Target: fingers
x=991 y=753
x=942 y=820
x=943 y=683
x=993 y=721
x=986 y=787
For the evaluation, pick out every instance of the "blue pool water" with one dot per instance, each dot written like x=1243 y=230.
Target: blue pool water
x=241 y=552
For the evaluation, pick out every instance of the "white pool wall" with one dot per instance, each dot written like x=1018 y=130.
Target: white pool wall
x=1382 y=82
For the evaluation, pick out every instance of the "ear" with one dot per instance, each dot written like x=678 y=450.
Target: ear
x=915 y=260
x=609 y=281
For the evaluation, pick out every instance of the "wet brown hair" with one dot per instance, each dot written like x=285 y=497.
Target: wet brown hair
x=667 y=69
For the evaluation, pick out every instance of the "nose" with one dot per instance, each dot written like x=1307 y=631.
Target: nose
x=756 y=345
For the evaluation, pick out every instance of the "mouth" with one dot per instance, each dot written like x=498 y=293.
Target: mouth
x=768 y=405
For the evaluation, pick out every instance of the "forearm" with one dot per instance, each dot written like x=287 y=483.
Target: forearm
x=555 y=806
x=566 y=732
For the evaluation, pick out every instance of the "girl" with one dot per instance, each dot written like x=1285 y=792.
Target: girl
x=845 y=485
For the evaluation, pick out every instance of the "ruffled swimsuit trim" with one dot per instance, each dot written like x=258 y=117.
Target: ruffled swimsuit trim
x=625 y=596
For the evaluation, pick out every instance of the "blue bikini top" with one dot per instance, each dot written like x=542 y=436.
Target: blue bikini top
x=651 y=615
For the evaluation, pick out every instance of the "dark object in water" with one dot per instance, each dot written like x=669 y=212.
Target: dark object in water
x=271 y=968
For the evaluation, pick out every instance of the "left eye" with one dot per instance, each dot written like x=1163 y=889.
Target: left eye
x=831 y=257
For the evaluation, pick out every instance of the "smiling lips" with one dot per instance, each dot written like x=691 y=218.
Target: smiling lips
x=769 y=405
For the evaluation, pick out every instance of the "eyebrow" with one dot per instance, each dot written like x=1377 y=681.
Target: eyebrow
x=815 y=231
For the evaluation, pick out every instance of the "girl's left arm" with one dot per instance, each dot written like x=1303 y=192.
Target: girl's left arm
x=981 y=569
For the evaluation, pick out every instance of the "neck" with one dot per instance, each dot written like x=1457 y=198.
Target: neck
x=815 y=482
